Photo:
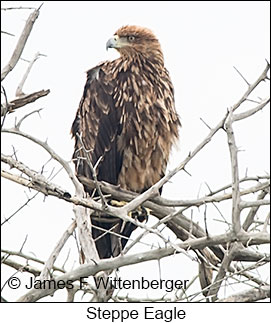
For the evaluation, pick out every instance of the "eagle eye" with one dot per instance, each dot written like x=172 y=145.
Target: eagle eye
x=131 y=38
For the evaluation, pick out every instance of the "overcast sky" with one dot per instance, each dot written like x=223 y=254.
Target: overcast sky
x=201 y=41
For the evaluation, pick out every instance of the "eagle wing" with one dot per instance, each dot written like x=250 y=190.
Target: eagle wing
x=97 y=122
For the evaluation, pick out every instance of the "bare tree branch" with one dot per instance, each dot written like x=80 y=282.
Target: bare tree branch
x=45 y=274
x=229 y=256
x=93 y=170
x=236 y=210
x=246 y=114
x=41 y=184
x=19 y=123
x=241 y=76
x=87 y=270
x=19 y=91
x=22 y=101
x=250 y=295
x=244 y=271
x=244 y=179
x=21 y=44
x=7 y=33
x=20 y=267
x=16 y=8
x=51 y=189
x=252 y=212
x=252 y=86
x=47 y=189
x=35 y=177
x=53 y=154
x=27 y=257
x=248 y=204
x=125 y=195
x=19 y=209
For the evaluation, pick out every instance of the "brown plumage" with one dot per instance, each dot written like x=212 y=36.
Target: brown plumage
x=126 y=116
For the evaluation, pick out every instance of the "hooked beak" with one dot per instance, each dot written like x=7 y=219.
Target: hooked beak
x=112 y=43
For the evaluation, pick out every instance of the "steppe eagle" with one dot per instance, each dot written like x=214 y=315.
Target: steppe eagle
x=128 y=122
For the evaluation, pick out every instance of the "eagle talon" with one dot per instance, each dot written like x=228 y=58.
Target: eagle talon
x=117 y=203
x=141 y=213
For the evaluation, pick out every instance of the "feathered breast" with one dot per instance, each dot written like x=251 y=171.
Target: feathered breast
x=126 y=117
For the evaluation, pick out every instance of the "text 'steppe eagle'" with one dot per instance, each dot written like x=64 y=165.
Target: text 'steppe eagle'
x=127 y=120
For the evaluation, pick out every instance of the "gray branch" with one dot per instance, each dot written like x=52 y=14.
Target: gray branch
x=90 y=269
x=250 y=295
x=236 y=209
x=229 y=256
x=19 y=91
x=179 y=225
x=20 y=44
x=22 y=101
x=46 y=272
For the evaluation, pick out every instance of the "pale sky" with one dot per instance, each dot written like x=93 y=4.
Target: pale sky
x=201 y=41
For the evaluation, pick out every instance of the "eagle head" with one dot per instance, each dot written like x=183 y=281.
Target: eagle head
x=134 y=40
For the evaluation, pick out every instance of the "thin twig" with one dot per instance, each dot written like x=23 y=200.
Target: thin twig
x=51 y=260
x=20 y=44
x=248 y=113
x=4 y=110
x=19 y=91
x=19 y=209
x=17 y=8
x=27 y=257
x=222 y=271
x=7 y=33
x=24 y=242
x=104 y=203
x=18 y=124
x=53 y=154
x=241 y=76
x=266 y=222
